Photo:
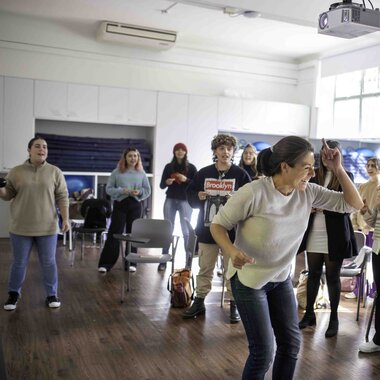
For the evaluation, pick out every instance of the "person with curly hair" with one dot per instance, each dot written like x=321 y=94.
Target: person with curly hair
x=209 y=191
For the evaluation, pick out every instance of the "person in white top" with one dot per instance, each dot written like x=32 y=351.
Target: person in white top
x=328 y=240
x=271 y=215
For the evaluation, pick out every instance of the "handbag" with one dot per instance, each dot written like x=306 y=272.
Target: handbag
x=322 y=299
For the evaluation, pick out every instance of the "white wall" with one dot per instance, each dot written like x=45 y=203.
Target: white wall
x=40 y=49
x=356 y=60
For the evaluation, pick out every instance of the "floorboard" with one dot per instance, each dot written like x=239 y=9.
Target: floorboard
x=94 y=336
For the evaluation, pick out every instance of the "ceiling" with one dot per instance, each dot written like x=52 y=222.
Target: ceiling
x=286 y=30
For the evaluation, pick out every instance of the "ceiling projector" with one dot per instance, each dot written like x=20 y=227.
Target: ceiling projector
x=349 y=20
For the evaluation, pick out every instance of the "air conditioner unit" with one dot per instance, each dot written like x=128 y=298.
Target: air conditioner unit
x=136 y=35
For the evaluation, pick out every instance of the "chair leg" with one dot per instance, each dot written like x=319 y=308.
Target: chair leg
x=122 y=271
x=223 y=286
x=370 y=319
x=72 y=259
x=220 y=257
x=82 y=247
x=360 y=290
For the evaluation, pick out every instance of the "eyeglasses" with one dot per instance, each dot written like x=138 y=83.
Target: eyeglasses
x=371 y=166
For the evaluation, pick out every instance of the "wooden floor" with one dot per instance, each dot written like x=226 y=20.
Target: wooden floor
x=93 y=336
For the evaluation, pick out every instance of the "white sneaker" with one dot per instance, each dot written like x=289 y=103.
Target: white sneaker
x=53 y=302
x=369 y=347
x=102 y=270
x=350 y=296
x=132 y=269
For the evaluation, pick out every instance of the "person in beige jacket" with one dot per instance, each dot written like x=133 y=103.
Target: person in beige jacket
x=35 y=189
x=367 y=191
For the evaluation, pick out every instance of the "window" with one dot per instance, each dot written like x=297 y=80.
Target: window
x=356 y=104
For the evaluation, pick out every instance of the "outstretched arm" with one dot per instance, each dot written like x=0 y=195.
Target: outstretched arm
x=334 y=162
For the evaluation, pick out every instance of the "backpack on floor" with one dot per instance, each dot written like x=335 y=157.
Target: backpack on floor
x=181 y=287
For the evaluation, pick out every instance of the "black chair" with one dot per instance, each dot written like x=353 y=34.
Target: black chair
x=95 y=213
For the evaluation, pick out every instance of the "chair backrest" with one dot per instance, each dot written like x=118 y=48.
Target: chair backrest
x=192 y=240
x=159 y=232
x=360 y=239
x=95 y=213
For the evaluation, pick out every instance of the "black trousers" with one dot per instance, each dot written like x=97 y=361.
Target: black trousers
x=376 y=278
x=123 y=215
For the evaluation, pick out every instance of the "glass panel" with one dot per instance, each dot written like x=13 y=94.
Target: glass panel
x=346 y=118
x=370 y=117
x=348 y=84
x=371 y=81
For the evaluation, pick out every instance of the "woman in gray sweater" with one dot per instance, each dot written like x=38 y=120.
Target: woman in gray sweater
x=271 y=215
x=36 y=188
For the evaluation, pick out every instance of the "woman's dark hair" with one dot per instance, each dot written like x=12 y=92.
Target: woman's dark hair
x=31 y=142
x=289 y=149
x=180 y=167
x=322 y=170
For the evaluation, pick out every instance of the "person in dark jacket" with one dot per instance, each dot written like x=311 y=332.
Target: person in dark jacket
x=328 y=240
x=209 y=191
x=176 y=176
x=248 y=161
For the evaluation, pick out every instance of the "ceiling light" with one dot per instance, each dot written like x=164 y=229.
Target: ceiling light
x=233 y=12
x=226 y=9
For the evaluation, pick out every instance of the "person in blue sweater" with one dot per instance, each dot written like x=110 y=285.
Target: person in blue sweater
x=176 y=176
x=208 y=192
x=128 y=186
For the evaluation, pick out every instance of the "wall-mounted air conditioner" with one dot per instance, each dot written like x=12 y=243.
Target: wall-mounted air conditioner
x=136 y=35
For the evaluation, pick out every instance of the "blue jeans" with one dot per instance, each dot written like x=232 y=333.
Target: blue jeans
x=171 y=206
x=267 y=313
x=46 y=249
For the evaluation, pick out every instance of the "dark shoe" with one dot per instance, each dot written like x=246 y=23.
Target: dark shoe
x=307 y=320
x=332 y=330
x=161 y=267
x=11 y=302
x=197 y=308
x=234 y=314
x=53 y=302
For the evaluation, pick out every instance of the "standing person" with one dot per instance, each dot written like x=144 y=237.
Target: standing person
x=368 y=192
x=176 y=176
x=372 y=218
x=271 y=215
x=127 y=185
x=248 y=161
x=328 y=240
x=208 y=191
x=35 y=189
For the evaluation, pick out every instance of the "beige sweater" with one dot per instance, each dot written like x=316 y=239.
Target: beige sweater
x=368 y=192
x=34 y=194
